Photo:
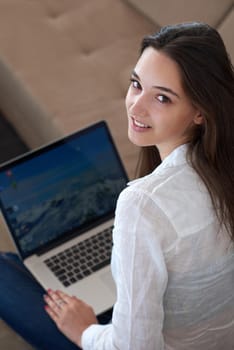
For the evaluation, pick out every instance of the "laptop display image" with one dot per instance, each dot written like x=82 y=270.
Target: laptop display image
x=58 y=203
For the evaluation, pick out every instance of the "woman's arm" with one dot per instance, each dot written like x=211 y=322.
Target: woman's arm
x=141 y=278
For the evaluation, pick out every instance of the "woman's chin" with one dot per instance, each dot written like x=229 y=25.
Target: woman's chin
x=136 y=140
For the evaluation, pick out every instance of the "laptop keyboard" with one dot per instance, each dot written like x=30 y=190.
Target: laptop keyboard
x=82 y=259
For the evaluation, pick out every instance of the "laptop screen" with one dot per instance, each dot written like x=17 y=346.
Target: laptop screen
x=62 y=188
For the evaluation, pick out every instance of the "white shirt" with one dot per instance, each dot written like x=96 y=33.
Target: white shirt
x=173 y=267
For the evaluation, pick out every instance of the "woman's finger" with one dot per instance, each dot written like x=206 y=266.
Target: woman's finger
x=54 y=303
x=63 y=296
x=59 y=300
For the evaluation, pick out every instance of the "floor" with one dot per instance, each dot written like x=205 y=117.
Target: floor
x=10 y=146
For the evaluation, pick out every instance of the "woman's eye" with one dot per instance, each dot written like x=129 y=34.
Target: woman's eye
x=163 y=99
x=135 y=84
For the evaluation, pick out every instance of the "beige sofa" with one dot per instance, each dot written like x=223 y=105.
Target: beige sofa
x=66 y=63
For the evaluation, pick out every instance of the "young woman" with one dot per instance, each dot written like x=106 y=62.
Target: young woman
x=173 y=252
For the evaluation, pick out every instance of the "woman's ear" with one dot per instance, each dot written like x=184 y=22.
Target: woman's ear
x=198 y=119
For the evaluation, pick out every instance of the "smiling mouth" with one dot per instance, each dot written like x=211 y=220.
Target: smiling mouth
x=139 y=124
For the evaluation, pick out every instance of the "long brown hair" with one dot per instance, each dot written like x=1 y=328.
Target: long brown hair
x=208 y=80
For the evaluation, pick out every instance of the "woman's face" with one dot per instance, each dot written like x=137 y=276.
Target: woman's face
x=159 y=112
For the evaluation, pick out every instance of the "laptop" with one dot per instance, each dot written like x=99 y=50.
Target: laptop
x=58 y=203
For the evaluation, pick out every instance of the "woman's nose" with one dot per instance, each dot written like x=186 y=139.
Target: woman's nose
x=139 y=105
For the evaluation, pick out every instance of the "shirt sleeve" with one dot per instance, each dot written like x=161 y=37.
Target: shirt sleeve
x=140 y=274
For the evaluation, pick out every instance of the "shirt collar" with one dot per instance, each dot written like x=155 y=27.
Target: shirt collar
x=175 y=158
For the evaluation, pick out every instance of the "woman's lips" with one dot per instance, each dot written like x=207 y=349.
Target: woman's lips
x=139 y=125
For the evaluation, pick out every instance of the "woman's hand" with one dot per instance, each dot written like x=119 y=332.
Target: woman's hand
x=71 y=315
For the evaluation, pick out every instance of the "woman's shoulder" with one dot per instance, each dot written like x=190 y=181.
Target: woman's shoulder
x=164 y=178
x=173 y=171
x=178 y=192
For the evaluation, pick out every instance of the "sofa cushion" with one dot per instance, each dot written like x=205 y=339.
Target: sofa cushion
x=226 y=29
x=166 y=12
x=70 y=63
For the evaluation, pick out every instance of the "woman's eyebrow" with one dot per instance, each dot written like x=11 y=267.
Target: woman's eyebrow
x=167 y=90
x=162 y=88
x=134 y=74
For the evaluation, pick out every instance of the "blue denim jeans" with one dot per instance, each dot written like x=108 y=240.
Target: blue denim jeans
x=22 y=307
